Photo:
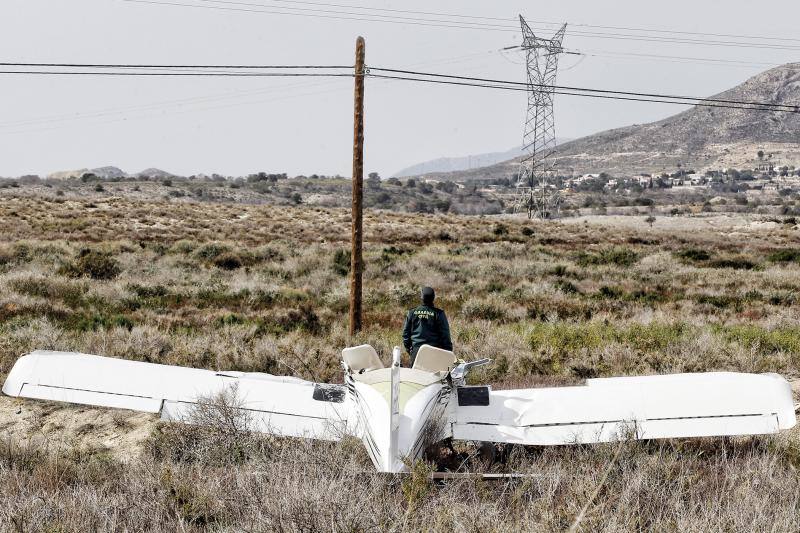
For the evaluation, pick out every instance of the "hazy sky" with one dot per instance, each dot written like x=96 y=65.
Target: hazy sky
x=237 y=126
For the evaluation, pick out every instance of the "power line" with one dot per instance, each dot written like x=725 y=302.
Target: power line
x=154 y=108
x=483 y=18
x=665 y=100
x=356 y=17
x=153 y=66
x=100 y=113
x=678 y=59
x=436 y=77
x=780 y=107
x=196 y=74
x=230 y=95
x=459 y=24
x=506 y=19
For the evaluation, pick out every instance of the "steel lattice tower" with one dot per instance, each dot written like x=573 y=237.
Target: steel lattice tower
x=536 y=190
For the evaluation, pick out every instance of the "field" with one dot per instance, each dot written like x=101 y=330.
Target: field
x=264 y=288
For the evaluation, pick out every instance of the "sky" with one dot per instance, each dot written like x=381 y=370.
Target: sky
x=238 y=126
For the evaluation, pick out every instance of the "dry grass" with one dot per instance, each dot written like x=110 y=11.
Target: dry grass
x=260 y=288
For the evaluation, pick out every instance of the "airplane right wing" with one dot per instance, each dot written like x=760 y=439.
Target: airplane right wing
x=271 y=404
x=649 y=407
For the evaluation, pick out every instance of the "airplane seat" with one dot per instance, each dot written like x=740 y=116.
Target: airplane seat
x=362 y=358
x=432 y=359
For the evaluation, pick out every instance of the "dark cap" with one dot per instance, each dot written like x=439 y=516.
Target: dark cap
x=428 y=295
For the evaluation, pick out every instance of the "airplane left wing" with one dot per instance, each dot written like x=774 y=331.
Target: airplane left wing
x=279 y=405
x=649 y=407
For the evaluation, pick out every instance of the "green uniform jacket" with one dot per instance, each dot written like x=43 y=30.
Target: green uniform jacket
x=426 y=325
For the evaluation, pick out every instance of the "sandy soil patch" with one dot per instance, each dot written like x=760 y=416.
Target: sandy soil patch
x=122 y=433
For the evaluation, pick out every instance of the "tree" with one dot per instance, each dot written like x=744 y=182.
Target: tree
x=650 y=219
x=374 y=180
x=446 y=186
x=760 y=154
x=425 y=188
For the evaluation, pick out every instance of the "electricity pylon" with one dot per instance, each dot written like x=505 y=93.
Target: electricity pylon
x=537 y=191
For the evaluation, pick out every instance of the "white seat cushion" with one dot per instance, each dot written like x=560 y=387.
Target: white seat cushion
x=407 y=375
x=362 y=357
x=432 y=359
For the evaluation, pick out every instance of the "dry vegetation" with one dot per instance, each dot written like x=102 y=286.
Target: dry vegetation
x=260 y=288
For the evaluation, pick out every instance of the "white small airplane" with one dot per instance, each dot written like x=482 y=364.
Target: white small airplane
x=397 y=411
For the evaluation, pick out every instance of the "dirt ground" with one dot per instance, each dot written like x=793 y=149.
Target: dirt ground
x=59 y=426
x=702 y=222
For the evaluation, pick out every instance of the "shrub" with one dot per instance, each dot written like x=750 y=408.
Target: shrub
x=97 y=321
x=736 y=263
x=228 y=261
x=341 y=261
x=148 y=291
x=720 y=301
x=69 y=292
x=184 y=246
x=611 y=293
x=495 y=286
x=565 y=339
x=483 y=311
x=613 y=256
x=92 y=263
x=305 y=319
x=786 y=255
x=210 y=251
x=500 y=229
x=6 y=256
x=566 y=287
x=528 y=232
x=693 y=254
x=786 y=299
x=758 y=338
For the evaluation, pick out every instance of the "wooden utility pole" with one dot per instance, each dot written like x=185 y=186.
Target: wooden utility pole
x=356 y=261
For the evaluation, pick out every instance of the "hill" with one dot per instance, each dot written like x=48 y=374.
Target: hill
x=110 y=173
x=452 y=164
x=700 y=138
x=467 y=162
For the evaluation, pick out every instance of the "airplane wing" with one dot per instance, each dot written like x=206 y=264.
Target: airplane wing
x=650 y=407
x=279 y=405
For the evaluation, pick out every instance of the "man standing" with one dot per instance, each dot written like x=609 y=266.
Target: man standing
x=426 y=324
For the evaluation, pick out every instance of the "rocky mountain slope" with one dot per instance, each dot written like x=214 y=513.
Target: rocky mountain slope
x=700 y=138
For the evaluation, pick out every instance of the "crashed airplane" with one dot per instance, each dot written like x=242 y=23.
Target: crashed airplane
x=398 y=411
